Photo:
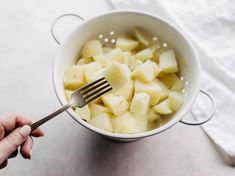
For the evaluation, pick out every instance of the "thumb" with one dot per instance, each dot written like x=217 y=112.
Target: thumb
x=12 y=141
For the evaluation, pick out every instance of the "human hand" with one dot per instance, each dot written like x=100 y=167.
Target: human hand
x=14 y=133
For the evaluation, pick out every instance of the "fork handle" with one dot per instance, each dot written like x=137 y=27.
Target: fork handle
x=49 y=117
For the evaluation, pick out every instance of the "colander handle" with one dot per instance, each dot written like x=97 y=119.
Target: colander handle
x=194 y=123
x=57 y=19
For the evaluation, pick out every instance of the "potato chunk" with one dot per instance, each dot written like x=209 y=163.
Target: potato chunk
x=140 y=104
x=134 y=63
x=124 y=58
x=169 y=79
x=178 y=85
x=127 y=90
x=142 y=123
x=92 y=48
x=83 y=61
x=164 y=90
x=102 y=121
x=83 y=113
x=103 y=60
x=90 y=69
x=145 y=54
x=156 y=69
x=74 y=77
x=126 y=70
x=116 y=75
x=126 y=43
x=115 y=55
x=107 y=50
x=152 y=115
x=163 y=108
x=167 y=62
x=144 y=72
x=155 y=123
x=116 y=104
x=175 y=100
x=125 y=123
x=152 y=89
x=143 y=37
x=97 y=109
x=151 y=125
x=97 y=75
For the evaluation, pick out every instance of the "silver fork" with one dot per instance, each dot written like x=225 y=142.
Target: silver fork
x=79 y=98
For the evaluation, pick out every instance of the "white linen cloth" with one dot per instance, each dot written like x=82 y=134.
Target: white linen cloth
x=211 y=26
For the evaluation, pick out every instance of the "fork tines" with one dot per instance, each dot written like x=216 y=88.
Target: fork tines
x=95 y=89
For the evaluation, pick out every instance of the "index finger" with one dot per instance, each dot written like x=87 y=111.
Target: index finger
x=10 y=121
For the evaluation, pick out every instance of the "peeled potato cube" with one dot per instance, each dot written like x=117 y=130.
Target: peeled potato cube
x=156 y=56
x=142 y=123
x=97 y=109
x=155 y=123
x=126 y=70
x=116 y=75
x=92 y=48
x=152 y=89
x=83 y=61
x=127 y=90
x=103 y=60
x=161 y=74
x=115 y=55
x=152 y=115
x=140 y=104
x=116 y=104
x=156 y=69
x=125 y=58
x=97 y=100
x=122 y=107
x=142 y=36
x=134 y=63
x=164 y=90
x=119 y=56
x=169 y=79
x=111 y=101
x=68 y=94
x=167 y=62
x=97 y=75
x=73 y=77
x=107 y=49
x=125 y=123
x=90 y=69
x=163 y=108
x=175 y=100
x=145 y=54
x=126 y=43
x=151 y=125
x=83 y=112
x=178 y=85
x=102 y=121
x=157 y=52
x=144 y=72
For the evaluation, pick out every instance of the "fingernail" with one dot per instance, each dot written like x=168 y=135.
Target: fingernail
x=30 y=152
x=25 y=130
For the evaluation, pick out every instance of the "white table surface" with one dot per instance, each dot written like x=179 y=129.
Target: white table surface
x=27 y=51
